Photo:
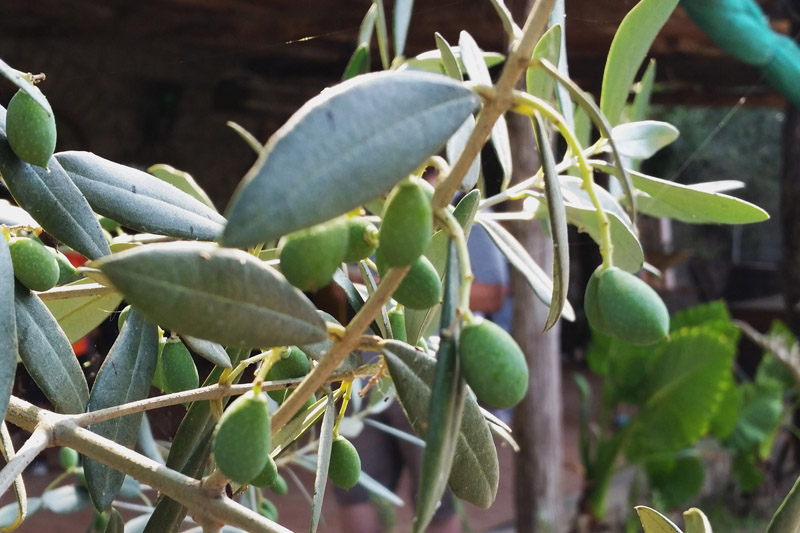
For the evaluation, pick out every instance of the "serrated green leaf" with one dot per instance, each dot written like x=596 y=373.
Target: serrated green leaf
x=641 y=140
x=368 y=133
x=210 y=351
x=323 y=461
x=358 y=63
x=217 y=294
x=402 y=18
x=692 y=204
x=78 y=316
x=447 y=402
x=472 y=57
x=183 y=181
x=16 y=77
x=125 y=376
x=50 y=197
x=631 y=43
x=66 y=500
x=696 y=521
x=47 y=354
x=475 y=472
x=537 y=81
x=8 y=327
x=558 y=224
x=655 y=522
x=520 y=259
x=138 y=200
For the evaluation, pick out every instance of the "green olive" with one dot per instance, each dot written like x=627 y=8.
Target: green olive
x=31 y=129
x=242 y=439
x=292 y=364
x=310 y=257
x=345 y=465
x=406 y=224
x=34 y=265
x=363 y=238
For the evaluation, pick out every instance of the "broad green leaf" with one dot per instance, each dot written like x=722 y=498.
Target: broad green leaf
x=183 y=181
x=644 y=90
x=17 y=78
x=692 y=204
x=432 y=61
x=66 y=500
x=727 y=415
x=631 y=43
x=383 y=34
x=78 y=316
x=402 y=18
x=760 y=413
x=641 y=140
x=125 y=376
x=472 y=56
x=537 y=81
x=685 y=387
x=47 y=354
x=358 y=64
x=475 y=472
x=696 y=521
x=558 y=223
x=368 y=133
x=50 y=197
x=138 y=200
x=676 y=480
x=323 y=461
x=655 y=522
x=787 y=518
x=8 y=327
x=712 y=314
x=217 y=294
x=210 y=351
x=448 y=397
x=520 y=259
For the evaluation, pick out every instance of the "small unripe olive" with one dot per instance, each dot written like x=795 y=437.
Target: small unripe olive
x=68 y=458
x=345 y=465
x=421 y=288
x=292 y=364
x=242 y=439
x=123 y=316
x=66 y=270
x=34 y=265
x=492 y=363
x=175 y=369
x=363 y=238
x=280 y=487
x=397 y=320
x=268 y=475
x=268 y=510
x=310 y=257
x=620 y=304
x=31 y=129
x=406 y=224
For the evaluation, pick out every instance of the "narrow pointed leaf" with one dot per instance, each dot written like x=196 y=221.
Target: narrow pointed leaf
x=537 y=81
x=210 y=351
x=368 y=133
x=631 y=43
x=125 y=376
x=16 y=77
x=217 y=294
x=472 y=56
x=78 y=316
x=358 y=64
x=51 y=198
x=696 y=521
x=383 y=33
x=432 y=60
x=520 y=259
x=641 y=140
x=138 y=200
x=402 y=18
x=47 y=354
x=655 y=522
x=323 y=461
x=448 y=396
x=8 y=327
x=558 y=224
x=641 y=101
x=449 y=60
x=475 y=472
x=512 y=30
x=183 y=181
x=367 y=25
x=787 y=516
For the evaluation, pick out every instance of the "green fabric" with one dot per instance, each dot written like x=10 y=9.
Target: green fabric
x=742 y=29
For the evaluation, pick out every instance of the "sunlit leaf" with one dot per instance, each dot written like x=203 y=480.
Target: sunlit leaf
x=655 y=522
x=367 y=134
x=358 y=64
x=641 y=140
x=537 y=81
x=80 y=315
x=402 y=18
x=696 y=521
x=183 y=181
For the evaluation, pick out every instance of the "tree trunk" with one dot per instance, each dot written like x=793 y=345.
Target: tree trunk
x=537 y=421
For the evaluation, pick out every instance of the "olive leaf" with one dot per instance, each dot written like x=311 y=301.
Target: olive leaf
x=696 y=521
x=788 y=514
x=138 y=200
x=8 y=327
x=537 y=82
x=349 y=145
x=50 y=197
x=210 y=351
x=402 y=18
x=79 y=315
x=655 y=522
x=125 y=377
x=217 y=294
x=641 y=140
x=47 y=354
x=382 y=33
x=323 y=461
x=358 y=64
x=475 y=472
x=447 y=403
x=182 y=180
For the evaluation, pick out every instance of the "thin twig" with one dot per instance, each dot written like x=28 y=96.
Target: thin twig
x=36 y=443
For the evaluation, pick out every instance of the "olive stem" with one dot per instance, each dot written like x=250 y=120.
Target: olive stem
x=521 y=50
x=266 y=364
x=76 y=291
x=527 y=104
x=347 y=388
x=456 y=232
